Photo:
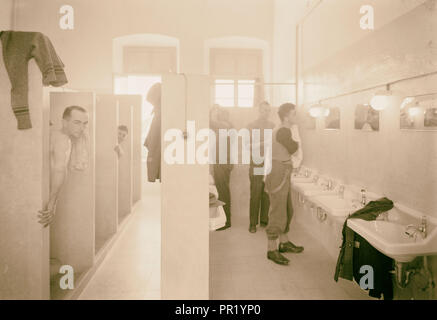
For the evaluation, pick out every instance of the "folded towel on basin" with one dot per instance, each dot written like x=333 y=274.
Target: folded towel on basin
x=352 y=256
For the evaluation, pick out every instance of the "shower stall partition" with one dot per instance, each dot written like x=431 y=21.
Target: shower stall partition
x=24 y=185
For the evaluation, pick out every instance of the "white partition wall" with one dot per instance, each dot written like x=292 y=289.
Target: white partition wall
x=24 y=251
x=184 y=194
x=137 y=147
x=72 y=237
x=106 y=168
x=125 y=162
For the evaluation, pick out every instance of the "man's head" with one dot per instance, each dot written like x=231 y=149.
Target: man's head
x=263 y=110
x=287 y=113
x=122 y=133
x=74 y=121
x=223 y=115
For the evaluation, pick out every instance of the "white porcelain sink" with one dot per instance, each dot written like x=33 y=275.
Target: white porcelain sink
x=389 y=237
x=334 y=205
x=311 y=189
x=301 y=180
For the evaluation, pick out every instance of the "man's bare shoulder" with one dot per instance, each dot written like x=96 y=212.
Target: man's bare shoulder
x=59 y=139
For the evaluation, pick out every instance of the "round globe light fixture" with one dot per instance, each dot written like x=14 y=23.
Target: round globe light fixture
x=414 y=111
x=318 y=111
x=381 y=100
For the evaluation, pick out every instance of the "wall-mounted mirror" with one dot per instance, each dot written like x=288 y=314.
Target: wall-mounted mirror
x=419 y=113
x=366 y=118
x=332 y=121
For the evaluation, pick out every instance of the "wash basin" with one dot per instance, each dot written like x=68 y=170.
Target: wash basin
x=311 y=189
x=334 y=205
x=389 y=236
x=301 y=180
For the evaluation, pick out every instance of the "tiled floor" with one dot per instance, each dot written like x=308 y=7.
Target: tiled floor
x=132 y=268
x=239 y=268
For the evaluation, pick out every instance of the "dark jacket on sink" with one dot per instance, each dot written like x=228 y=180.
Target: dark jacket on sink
x=356 y=252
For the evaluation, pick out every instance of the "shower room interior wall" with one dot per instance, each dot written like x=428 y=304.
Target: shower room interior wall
x=390 y=161
x=400 y=164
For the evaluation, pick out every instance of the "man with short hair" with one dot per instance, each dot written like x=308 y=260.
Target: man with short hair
x=74 y=122
x=123 y=131
x=259 y=199
x=277 y=184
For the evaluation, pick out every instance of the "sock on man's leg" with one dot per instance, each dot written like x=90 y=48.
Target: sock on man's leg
x=283 y=238
x=272 y=245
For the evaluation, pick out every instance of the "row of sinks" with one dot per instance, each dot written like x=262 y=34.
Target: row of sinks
x=387 y=234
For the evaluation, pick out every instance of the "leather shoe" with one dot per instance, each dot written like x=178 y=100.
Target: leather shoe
x=278 y=258
x=263 y=225
x=290 y=247
x=223 y=228
x=252 y=229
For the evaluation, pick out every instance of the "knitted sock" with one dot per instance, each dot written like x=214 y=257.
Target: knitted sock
x=23 y=118
x=283 y=238
x=271 y=245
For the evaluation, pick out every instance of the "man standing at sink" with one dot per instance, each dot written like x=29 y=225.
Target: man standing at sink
x=259 y=200
x=277 y=185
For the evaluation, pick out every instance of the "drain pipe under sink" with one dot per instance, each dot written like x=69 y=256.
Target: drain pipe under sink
x=403 y=275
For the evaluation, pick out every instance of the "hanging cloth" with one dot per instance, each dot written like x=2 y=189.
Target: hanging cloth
x=18 y=48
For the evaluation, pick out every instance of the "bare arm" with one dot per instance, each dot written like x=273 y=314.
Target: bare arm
x=119 y=151
x=60 y=150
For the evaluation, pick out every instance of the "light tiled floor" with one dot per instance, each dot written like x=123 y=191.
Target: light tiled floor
x=239 y=268
x=132 y=268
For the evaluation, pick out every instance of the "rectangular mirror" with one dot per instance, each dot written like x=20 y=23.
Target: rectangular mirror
x=419 y=114
x=366 y=118
x=332 y=121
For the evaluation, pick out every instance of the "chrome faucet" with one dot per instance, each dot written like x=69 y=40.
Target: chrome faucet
x=327 y=184
x=341 y=192
x=384 y=216
x=363 y=197
x=422 y=229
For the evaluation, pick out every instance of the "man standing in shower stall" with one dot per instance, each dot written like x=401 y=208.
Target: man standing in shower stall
x=277 y=185
x=74 y=122
x=123 y=131
x=153 y=140
x=259 y=199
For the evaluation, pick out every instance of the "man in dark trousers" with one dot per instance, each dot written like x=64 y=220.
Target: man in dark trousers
x=277 y=184
x=219 y=119
x=259 y=199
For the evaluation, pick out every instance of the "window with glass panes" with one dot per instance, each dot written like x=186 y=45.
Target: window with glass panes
x=235 y=72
